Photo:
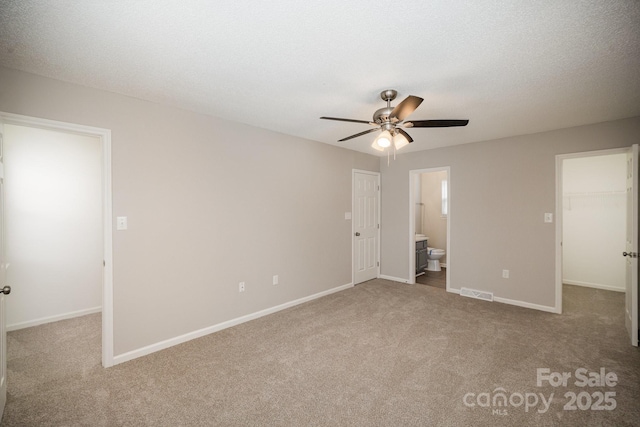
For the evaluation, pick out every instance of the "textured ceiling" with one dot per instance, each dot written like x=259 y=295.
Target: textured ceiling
x=510 y=67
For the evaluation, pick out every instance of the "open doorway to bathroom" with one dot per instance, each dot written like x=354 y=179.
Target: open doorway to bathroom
x=429 y=227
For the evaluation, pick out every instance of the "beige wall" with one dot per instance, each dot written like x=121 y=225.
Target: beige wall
x=500 y=191
x=210 y=203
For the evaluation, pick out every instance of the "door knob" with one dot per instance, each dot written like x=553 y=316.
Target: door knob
x=357 y=233
x=630 y=254
x=6 y=290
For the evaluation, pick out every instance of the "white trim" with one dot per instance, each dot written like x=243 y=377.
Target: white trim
x=395 y=279
x=412 y=227
x=559 y=210
x=43 y=320
x=134 y=354
x=353 y=205
x=526 y=304
x=594 y=285
x=517 y=303
x=107 y=279
x=558 y=244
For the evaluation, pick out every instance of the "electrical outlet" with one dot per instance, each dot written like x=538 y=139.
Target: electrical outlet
x=505 y=274
x=241 y=287
x=275 y=279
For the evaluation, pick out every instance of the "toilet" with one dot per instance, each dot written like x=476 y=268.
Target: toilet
x=433 y=259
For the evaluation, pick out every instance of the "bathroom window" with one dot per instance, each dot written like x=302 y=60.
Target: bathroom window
x=445 y=199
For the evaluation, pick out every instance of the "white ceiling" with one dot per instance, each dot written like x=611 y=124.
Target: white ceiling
x=511 y=67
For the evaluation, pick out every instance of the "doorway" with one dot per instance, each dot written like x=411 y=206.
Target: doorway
x=591 y=230
x=78 y=157
x=429 y=227
x=593 y=221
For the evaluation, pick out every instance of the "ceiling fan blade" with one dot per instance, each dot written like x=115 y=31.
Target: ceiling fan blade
x=359 y=134
x=406 y=107
x=345 y=120
x=405 y=134
x=434 y=123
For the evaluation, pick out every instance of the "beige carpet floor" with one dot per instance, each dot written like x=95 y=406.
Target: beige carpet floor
x=379 y=354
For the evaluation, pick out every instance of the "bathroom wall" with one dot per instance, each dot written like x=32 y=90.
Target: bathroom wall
x=419 y=206
x=594 y=219
x=435 y=225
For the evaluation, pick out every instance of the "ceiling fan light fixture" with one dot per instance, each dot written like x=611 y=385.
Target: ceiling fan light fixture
x=375 y=145
x=390 y=120
x=383 y=140
x=399 y=141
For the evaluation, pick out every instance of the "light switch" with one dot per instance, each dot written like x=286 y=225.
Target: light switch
x=347 y=215
x=548 y=217
x=121 y=223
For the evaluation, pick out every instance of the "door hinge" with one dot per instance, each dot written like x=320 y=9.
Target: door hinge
x=378 y=226
x=377 y=263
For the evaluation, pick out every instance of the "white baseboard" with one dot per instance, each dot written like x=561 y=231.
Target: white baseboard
x=525 y=304
x=134 y=354
x=593 y=285
x=516 y=302
x=43 y=320
x=393 y=279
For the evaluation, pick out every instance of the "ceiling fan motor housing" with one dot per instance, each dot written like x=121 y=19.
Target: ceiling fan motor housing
x=382 y=115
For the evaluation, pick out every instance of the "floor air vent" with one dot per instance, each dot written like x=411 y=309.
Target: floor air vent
x=472 y=293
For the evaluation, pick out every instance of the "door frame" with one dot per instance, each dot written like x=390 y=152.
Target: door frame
x=560 y=158
x=104 y=136
x=353 y=205
x=3 y=272
x=412 y=227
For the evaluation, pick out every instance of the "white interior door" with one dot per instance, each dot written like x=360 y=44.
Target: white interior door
x=366 y=226
x=4 y=289
x=631 y=252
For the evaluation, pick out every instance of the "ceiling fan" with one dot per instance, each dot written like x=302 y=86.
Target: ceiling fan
x=390 y=120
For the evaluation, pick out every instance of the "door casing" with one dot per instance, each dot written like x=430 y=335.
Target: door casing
x=3 y=325
x=560 y=208
x=412 y=226
x=104 y=135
